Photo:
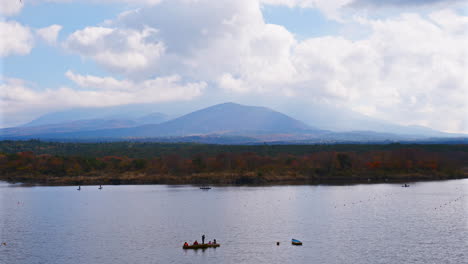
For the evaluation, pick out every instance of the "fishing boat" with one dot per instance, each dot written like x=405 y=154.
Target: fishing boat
x=201 y=246
x=205 y=187
x=296 y=242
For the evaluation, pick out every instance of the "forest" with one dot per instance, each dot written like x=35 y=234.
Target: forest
x=55 y=163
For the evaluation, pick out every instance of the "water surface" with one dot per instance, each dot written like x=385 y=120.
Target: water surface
x=372 y=223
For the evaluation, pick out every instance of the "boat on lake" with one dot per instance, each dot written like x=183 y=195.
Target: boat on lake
x=205 y=187
x=201 y=246
x=296 y=242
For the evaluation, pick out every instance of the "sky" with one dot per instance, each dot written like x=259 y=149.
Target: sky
x=402 y=61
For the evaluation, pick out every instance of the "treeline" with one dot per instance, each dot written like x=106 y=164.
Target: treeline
x=228 y=164
x=145 y=150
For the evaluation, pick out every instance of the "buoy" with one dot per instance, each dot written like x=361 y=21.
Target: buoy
x=277 y=243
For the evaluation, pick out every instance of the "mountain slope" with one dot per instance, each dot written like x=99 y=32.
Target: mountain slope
x=227 y=118
x=80 y=125
x=338 y=119
x=228 y=123
x=321 y=115
x=125 y=112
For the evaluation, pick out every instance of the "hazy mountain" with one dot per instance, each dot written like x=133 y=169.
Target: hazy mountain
x=337 y=119
x=222 y=119
x=319 y=115
x=74 y=126
x=223 y=123
x=153 y=118
x=227 y=118
x=125 y=112
x=37 y=128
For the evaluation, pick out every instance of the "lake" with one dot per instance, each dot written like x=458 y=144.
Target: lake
x=369 y=223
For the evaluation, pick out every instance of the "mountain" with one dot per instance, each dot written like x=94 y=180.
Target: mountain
x=316 y=114
x=227 y=123
x=42 y=126
x=330 y=117
x=227 y=118
x=153 y=118
x=73 y=126
x=125 y=112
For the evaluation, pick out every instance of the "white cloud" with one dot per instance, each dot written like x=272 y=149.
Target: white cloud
x=198 y=39
x=120 y=50
x=15 y=39
x=49 y=34
x=9 y=7
x=410 y=70
x=95 y=82
x=19 y=100
x=228 y=82
x=151 y=90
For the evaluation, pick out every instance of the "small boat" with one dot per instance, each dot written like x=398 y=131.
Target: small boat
x=100 y=187
x=296 y=242
x=205 y=188
x=201 y=246
x=406 y=185
x=79 y=188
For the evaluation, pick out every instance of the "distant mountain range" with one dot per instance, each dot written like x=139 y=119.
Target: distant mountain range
x=227 y=123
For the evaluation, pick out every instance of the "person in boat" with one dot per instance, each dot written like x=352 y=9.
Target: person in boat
x=203 y=239
x=214 y=241
x=195 y=243
x=185 y=244
x=209 y=242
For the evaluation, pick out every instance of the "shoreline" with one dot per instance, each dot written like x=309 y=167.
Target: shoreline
x=226 y=179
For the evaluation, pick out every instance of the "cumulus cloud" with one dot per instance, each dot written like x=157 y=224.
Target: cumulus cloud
x=15 y=39
x=151 y=90
x=198 y=39
x=120 y=50
x=8 y=7
x=20 y=99
x=410 y=70
x=49 y=34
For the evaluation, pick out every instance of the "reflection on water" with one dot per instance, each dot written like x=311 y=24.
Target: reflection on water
x=381 y=223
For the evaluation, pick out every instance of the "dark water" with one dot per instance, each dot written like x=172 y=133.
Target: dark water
x=379 y=223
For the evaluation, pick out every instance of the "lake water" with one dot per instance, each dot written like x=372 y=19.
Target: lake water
x=372 y=223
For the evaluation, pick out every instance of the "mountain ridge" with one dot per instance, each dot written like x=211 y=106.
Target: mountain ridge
x=221 y=120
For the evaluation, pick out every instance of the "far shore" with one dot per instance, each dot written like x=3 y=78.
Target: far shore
x=52 y=163
x=229 y=179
